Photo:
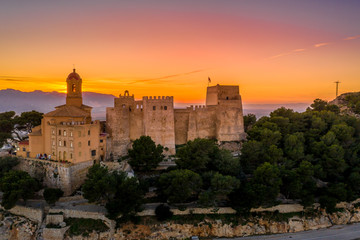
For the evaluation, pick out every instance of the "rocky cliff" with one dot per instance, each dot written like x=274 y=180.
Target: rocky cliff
x=14 y=227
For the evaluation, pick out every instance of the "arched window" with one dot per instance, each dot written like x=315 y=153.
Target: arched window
x=59 y=155
x=64 y=155
x=73 y=88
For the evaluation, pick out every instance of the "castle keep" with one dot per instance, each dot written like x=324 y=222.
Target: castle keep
x=221 y=118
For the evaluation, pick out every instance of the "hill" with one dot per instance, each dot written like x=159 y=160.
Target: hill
x=349 y=103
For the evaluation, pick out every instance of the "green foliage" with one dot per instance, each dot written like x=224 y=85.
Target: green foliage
x=306 y=156
x=353 y=102
x=249 y=121
x=85 y=226
x=145 y=155
x=51 y=195
x=122 y=195
x=179 y=185
x=17 y=185
x=6 y=164
x=10 y=124
x=163 y=212
x=196 y=154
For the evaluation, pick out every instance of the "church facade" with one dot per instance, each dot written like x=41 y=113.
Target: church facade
x=68 y=133
x=221 y=119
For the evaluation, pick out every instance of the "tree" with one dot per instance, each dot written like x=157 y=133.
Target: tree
x=318 y=105
x=145 y=154
x=51 y=195
x=120 y=194
x=163 y=212
x=222 y=185
x=179 y=185
x=11 y=125
x=98 y=184
x=6 y=126
x=17 y=185
x=127 y=196
x=6 y=164
x=249 y=121
x=266 y=183
x=196 y=154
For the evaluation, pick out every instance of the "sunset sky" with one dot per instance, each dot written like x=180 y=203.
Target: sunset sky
x=277 y=50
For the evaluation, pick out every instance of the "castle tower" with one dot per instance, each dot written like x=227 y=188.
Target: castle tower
x=74 y=89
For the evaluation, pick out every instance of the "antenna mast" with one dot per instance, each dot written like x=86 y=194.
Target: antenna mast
x=337 y=88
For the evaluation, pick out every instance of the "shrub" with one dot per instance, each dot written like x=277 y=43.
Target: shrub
x=51 y=195
x=163 y=212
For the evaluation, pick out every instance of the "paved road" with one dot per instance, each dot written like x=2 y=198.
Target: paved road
x=338 y=232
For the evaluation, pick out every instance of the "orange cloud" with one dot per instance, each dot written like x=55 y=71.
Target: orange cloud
x=352 y=37
x=322 y=44
x=288 y=53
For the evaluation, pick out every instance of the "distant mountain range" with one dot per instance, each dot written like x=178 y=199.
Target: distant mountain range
x=18 y=101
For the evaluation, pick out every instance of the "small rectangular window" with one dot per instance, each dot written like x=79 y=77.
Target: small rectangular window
x=154 y=108
x=88 y=143
x=165 y=108
x=59 y=132
x=89 y=132
x=64 y=143
x=64 y=133
x=101 y=140
x=93 y=153
x=71 y=133
x=24 y=149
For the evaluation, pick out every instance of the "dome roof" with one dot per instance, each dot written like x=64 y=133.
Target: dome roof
x=74 y=75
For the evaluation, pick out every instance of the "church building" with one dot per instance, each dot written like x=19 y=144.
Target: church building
x=68 y=133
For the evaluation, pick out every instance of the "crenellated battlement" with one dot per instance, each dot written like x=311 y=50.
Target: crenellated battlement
x=158 y=98
x=196 y=107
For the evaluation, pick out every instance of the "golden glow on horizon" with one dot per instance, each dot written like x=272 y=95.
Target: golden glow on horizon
x=150 y=55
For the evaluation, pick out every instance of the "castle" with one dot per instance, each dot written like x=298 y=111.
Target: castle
x=74 y=142
x=69 y=134
x=221 y=119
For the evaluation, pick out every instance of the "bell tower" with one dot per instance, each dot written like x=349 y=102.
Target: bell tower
x=74 y=89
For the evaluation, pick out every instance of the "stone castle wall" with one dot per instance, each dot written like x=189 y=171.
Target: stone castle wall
x=220 y=119
x=67 y=177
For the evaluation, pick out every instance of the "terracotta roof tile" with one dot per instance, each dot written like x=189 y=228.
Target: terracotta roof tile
x=67 y=111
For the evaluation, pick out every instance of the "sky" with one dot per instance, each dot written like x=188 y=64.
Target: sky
x=277 y=51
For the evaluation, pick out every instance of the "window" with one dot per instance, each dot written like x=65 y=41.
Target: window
x=88 y=143
x=64 y=143
x=165 y=108
x=93 y=153
x=154 y=108
x=79 y=144
x=60 y=143
x=59 y=132
x=70 y=155
x=64 y=133
x=27 y=154
x=227 y=98
x=53 y=143
x=73 y=88
x=71 y=144
x=53 y=131
x=79 y=133
x=101 y=140
x=79 y=154
x=71 y=133
x=59 y=155
x=89 y=132
x=24 y=149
